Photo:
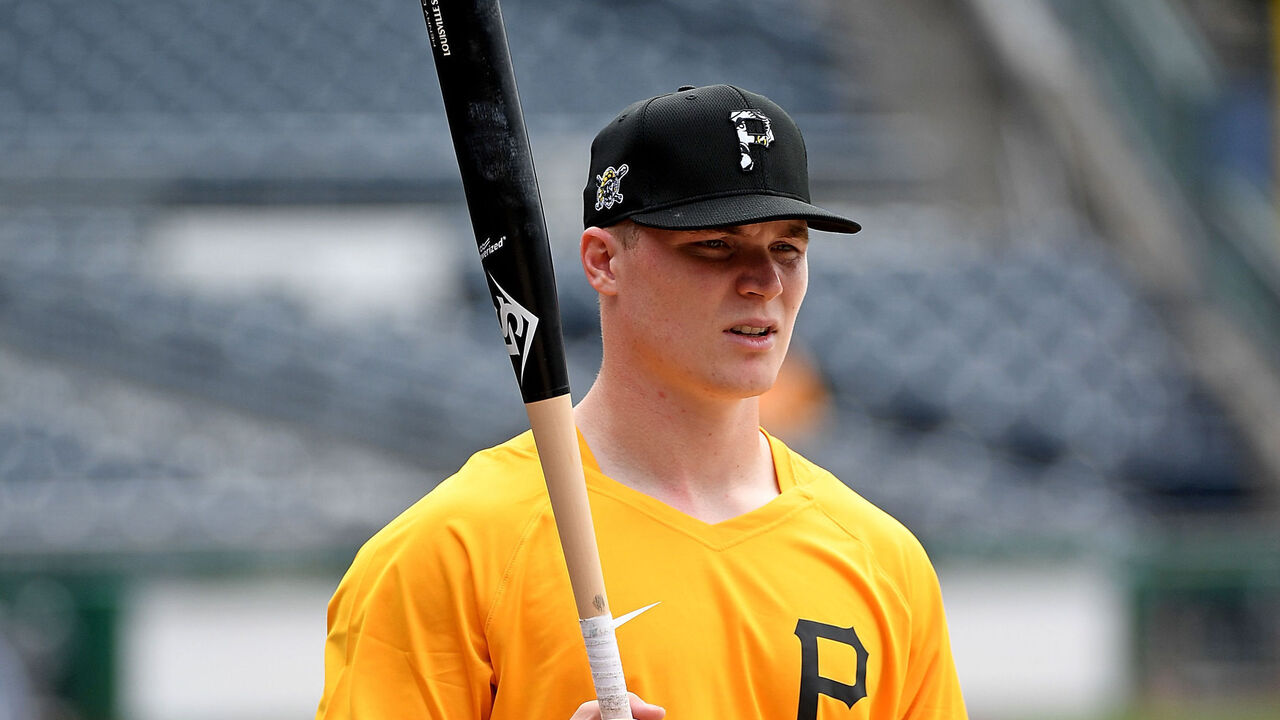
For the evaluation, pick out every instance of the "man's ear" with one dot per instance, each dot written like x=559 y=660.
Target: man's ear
x=597 y=250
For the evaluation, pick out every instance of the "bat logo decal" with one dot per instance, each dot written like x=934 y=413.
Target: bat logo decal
x=518 y=325
x=759 y=132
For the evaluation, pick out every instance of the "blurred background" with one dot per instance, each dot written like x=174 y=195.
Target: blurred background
x=242 y=324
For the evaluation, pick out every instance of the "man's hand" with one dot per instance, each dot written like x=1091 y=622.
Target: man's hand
x=640 y=710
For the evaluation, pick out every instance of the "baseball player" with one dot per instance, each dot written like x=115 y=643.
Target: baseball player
x=748 y=582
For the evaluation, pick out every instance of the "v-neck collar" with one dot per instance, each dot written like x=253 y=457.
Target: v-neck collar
x=721 y=535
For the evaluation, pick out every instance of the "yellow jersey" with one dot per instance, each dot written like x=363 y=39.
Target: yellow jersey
x=815 y=605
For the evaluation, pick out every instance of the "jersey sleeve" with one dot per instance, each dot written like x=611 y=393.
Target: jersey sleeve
x=931 y=688
x=405 y=634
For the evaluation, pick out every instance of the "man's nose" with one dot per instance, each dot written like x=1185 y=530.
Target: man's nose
x=759 y=277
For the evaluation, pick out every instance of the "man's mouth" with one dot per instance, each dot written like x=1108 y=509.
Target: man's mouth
x=750 y=331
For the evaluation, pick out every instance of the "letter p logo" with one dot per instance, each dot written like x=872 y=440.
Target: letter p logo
x=812 y=683
x=754 y=128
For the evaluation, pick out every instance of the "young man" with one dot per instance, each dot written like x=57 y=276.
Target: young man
x=750 y=582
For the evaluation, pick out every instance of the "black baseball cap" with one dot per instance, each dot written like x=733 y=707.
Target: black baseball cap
x=702 y=157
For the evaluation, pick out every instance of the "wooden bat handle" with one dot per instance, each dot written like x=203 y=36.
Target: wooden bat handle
x=557 y=439
x=556 y=436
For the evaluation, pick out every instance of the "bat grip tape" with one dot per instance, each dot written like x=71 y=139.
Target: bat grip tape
x=606 y=667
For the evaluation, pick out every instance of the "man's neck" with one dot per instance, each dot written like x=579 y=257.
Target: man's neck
x=703 y=456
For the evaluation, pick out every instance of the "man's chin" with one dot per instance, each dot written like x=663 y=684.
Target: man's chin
x=746 y=388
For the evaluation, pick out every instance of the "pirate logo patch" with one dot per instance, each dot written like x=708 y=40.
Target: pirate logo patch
x=754 y=128
x=609 y=186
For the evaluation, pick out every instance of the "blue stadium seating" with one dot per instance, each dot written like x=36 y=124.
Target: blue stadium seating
x=981 y=388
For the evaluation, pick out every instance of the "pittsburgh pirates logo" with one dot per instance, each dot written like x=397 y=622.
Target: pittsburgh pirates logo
x=812 y=682
x=518 y=325
x=609 y=186
x=754 y=128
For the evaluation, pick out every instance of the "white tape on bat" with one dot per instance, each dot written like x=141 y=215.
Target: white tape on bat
x=606 y=666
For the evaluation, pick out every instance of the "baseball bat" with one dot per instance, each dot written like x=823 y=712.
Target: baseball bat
x=477 y=81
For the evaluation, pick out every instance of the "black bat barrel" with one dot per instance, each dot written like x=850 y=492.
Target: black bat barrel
x=469 y=43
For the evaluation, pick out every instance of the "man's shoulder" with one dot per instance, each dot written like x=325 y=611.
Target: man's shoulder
x=510 y=468
x=458 y=538
x=862 y=519
x=495 y=492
